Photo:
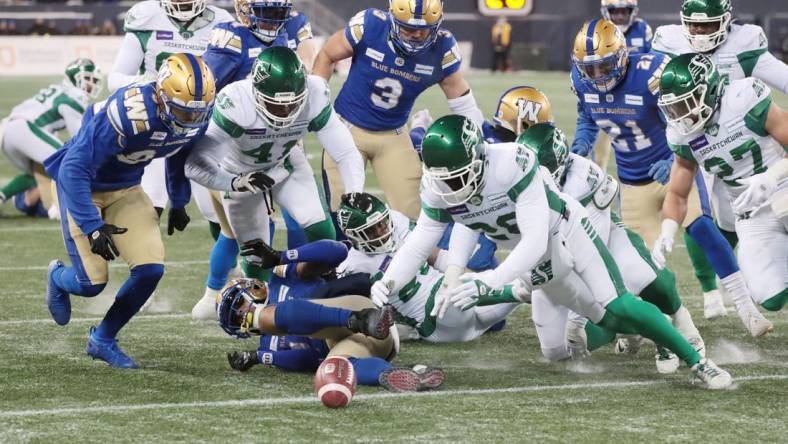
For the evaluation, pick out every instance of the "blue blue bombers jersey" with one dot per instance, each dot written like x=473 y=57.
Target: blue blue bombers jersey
x=297 y=29
x=233 y=50
x=629 y=115
x=383 y=85
x=112 y=149
x=639 y=36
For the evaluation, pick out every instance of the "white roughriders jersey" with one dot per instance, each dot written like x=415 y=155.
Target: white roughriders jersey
x=735 y=145
x=44 y=109
x=738 y=56
x=160 y=36
x=509 y=169
x=257 y=146
x=414 y=302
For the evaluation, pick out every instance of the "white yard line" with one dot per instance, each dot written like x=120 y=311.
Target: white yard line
x=77 y=320
x=112 y=265
x=55 y=226
x=371 y=397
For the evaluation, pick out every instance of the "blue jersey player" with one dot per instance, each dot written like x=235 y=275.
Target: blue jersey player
x=396 y=55
x=618 y=92
x=105 y=213
x=624 y=13
x=298 y=302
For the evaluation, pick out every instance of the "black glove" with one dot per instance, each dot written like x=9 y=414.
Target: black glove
x=243 y=361
x=254 y=182
x=260 y=254
x=177 y=220
x=101 y=241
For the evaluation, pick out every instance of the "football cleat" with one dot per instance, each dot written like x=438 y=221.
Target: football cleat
x=416 y=379
x=713 y=306
x=243 y=361
x=205 y=308
x=372 y=322
x=628 y=345
x=58 y=301
x=667 y=361
x=756 y=323
x=697 y=343
x=108 y=352
x=712 y=376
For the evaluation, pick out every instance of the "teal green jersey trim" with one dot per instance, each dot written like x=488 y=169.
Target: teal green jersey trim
x=43 y=135
x=229 y=127
x=748 y=60
x=755 y=120
x=522 y=184
x=436 y=214
x=321 y=120
x=143 y=37
x=683 y=151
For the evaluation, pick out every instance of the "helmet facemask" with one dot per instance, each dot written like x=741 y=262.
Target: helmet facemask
x=265 y=18
x=84 y=74
x=183 y=110
x=613 y=11
x=235 y=305
x=280 y=109
x=183 y=10
x=689 y=111
x=457 y=186
x=707 y=41
x=603 y=73
x=413 y=32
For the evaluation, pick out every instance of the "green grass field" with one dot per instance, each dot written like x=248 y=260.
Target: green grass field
x=498 y=389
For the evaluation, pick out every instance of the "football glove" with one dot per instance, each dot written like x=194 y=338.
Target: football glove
x=421 y=119
x=582 y=148
x=760 y=187
x=475 y=292
x=177 y=220
x=254 y=182
x=660 y=170
x=260 y=254
x=664 y=243
x=380 y=292
x=101 y=242
x=243 y=361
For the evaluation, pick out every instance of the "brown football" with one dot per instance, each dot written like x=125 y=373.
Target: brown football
x=335 y=382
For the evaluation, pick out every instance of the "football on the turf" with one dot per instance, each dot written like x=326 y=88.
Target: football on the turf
x=335 y=382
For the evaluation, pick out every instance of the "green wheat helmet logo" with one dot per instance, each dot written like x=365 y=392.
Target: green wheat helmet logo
x=344 y=217
x=470 y=137
x=262 y=72
x=699 y=68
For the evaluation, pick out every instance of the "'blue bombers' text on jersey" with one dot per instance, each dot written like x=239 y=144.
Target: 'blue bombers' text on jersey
x=629 y=114
x=382 y=85
x=297 y=29
x=111 y=150
x=639 y=36
x=233 y=50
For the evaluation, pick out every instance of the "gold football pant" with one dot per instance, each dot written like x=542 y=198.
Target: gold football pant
x=641 y=209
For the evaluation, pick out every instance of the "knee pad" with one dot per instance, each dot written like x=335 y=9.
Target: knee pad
x=321 y=230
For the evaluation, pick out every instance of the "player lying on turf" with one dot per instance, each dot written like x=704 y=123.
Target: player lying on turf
x=583 y=180
x=28 y=135
x=288 y=311
x=249 y=154
x=499 y=189
x=738 y=133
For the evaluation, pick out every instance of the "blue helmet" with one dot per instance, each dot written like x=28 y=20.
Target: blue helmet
x=266 y=18
x=236 y=303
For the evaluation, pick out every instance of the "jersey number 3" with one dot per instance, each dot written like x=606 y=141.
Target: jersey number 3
x=388 y=92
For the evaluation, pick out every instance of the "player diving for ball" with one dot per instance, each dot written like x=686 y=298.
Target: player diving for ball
x=738 y=51
x=585 y=181
x=105 y=213
x=617 y=91
x=303 y=318
x=248 y=153
x=736 y=132
x=499 y=189
x=28 y=135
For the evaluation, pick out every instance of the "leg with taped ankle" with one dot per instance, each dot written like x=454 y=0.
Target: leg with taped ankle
x=598 y=336
x=321 y=230
x=223 y=257
x=776 y=302
x=703 y=271
x=368 y=370
x=662 y=292
x=141 y=283
x=301 y=317
x=718 y=251
x=66 y=278
x=627 y=314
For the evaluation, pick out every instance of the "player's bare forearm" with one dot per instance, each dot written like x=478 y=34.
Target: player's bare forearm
x=336 y=48
x=682 y=177
x=777 y=124
x=455 y=86
x=307 y=51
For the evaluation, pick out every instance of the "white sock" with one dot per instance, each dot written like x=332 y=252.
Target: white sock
x=210 y=294
x=682 y=320
x=737 y=289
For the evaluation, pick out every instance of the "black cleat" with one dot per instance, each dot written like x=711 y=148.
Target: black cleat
x=416 y=379
x=243 y=361
x=374 y=322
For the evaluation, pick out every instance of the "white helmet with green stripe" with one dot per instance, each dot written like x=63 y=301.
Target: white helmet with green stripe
x=84 y=74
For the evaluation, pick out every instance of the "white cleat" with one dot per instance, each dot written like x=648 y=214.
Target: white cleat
x=713 y=306
x=628 y=345
x=205 y=308
x=577 y=340
x=667 y=361
x=697 y=343
x=712 y=376
x=756 y=323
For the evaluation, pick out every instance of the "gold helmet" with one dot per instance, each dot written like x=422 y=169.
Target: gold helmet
x=522 y=107
x=615 y=11
x=600 y=54
x=186 y=91
x=415 y=24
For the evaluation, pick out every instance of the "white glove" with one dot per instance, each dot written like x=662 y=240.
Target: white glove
x=664 y=243
x=422 y=119
x=759 y=188
x=442 y=301
x=380 y=291
x=467 y=292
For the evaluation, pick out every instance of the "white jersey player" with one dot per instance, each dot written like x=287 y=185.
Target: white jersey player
x=376 y=233
x=30 y=132
x=737 y=133
x=500 y=190
x=249 y=151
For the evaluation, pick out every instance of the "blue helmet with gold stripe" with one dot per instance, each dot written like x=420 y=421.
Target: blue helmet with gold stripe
x=186 y=91
x=600 y=54
x=415 y=24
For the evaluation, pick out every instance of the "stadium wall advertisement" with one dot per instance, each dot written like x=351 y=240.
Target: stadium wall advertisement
x=25 y=55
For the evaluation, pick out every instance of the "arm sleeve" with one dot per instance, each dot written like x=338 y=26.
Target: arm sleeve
x=356 y=283
x=772 y=71
x=178 y=187
x=415 y=251
x=223 y=61
x=297 y=360
x=203 y=163
x=533 y=221
x=127 y=63
x=466 y=106
x=461 y=246
x=338 y=142
x=72 y=117
x=587 y=130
